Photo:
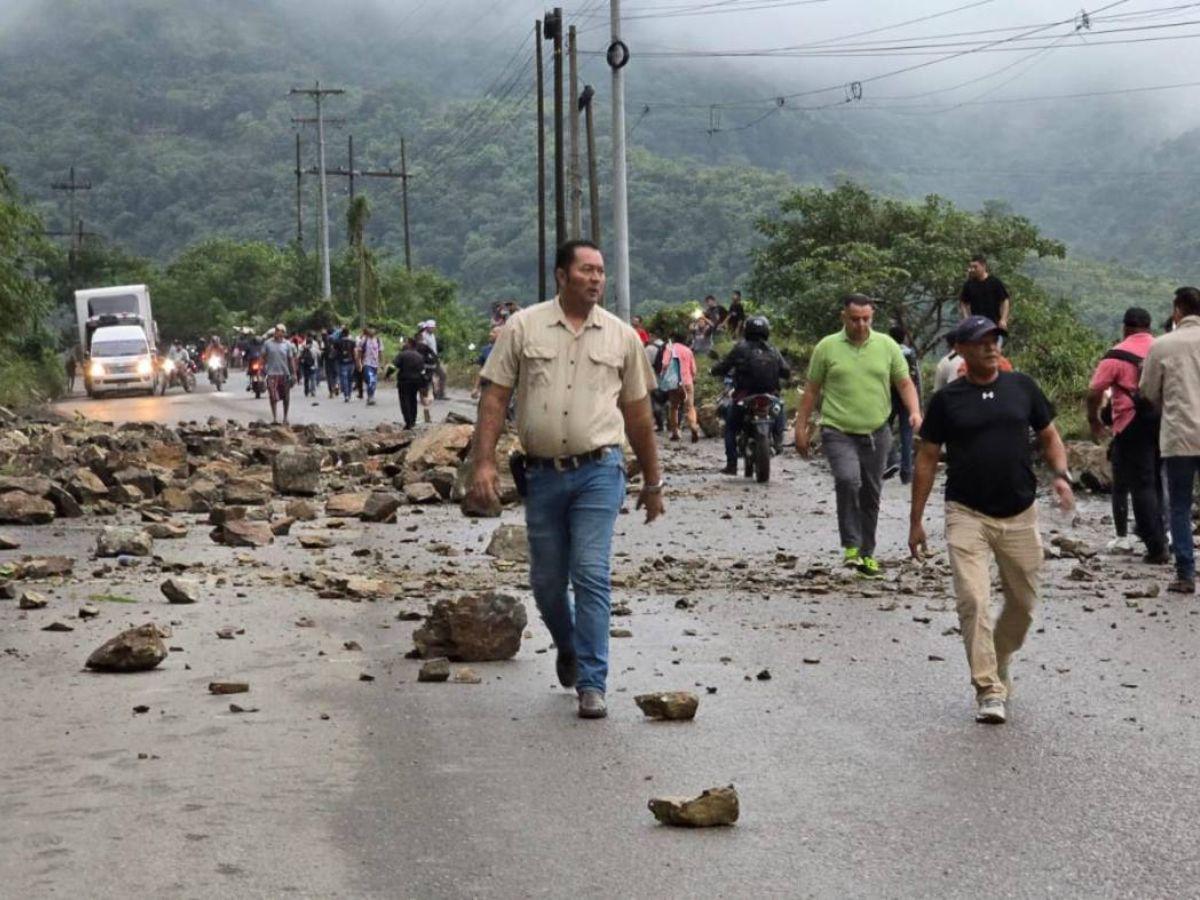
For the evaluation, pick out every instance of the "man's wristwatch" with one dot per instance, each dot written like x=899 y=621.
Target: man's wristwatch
x=1065 y=474
x=655 y=488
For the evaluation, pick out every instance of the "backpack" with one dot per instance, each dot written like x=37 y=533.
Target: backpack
x=759 y=373
x=307 y=358
x=671 y=379
x=1143 y=409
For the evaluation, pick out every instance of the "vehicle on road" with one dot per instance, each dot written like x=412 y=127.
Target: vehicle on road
x=754 y=443
x=218 y=373
x=117 y=338
x=256 y=370
x=121 y=360
x=176 y=375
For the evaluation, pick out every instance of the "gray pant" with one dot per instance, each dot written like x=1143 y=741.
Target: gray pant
x=857 y=461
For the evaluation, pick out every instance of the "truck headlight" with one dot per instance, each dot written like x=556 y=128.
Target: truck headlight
x=96 y=369
x=145 y=368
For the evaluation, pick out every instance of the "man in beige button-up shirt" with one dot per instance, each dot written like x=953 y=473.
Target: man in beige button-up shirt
x=583 y=385
x=1171 y=381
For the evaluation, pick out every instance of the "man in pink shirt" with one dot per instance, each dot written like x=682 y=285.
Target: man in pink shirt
x=1135 y=460
x=681 y=398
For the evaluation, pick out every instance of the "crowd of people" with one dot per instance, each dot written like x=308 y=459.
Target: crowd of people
x=583 y=381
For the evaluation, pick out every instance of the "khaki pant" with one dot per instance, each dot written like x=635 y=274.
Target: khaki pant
x=974 y=539
x=681 y=403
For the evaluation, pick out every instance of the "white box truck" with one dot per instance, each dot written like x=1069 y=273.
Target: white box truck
x=118 y=338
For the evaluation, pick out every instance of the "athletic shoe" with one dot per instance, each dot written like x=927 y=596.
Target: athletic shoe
x=1182 y=586
x=991 y=711
x=851 y=558
x=869 y=568
x=592 y=705
x=891 y=471
x=1122 y=545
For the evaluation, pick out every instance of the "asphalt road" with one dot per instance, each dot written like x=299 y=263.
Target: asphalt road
x=860 y=774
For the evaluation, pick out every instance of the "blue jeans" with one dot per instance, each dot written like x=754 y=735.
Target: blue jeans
x=371 y=379
x=570 y=516
x=901 y=453
x=346 y=379
x=1181 y=481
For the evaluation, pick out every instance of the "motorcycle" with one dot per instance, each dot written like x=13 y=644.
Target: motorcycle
x=258 y=379
x=217 y=373
x=175 y=374
x=754 y=440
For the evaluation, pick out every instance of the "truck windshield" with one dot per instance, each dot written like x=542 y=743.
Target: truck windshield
x=120 y=348
x=115 y=304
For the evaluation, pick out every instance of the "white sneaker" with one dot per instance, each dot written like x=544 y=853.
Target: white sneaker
x=1125 y=544
x=991 y=711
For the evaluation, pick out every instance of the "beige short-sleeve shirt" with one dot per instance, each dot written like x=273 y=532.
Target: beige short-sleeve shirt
x=569 y=386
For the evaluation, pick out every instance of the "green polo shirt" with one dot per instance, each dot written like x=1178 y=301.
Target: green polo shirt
x=856 y=382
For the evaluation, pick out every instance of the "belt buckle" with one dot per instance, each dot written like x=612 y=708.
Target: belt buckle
x=562 y=463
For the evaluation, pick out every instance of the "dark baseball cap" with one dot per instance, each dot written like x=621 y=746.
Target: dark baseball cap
x=972 y=329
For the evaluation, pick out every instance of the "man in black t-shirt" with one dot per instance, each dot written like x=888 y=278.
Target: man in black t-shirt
x=984 y=420
x=984 y=294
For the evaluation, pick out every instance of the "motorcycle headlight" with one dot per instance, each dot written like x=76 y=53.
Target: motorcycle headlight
x=145 y=367
x=168 y=365
x=96 y=369
x=215 y=362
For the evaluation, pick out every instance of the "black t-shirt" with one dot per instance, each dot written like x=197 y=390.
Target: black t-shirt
x=985 y=429
x=715 y=314
x=984 y=298
x=345 y=349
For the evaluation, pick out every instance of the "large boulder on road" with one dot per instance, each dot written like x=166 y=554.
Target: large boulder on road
x=1090 y=466
x=442 y=445
x=20 y=508
x=473 y=628
x=116 y=540
x=134 y=650
x=297 y=472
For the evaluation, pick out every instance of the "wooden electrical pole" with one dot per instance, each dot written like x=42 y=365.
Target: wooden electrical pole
x=541 y=163
x=585 y=103
x=404 y=200
x=299 y=201
x=554 y=27
x=618 y=57
x=72 y=187
x=573 y=177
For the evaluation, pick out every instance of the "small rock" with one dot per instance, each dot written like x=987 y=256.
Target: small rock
x=671 y=705
x=59 y=626
x=381 y=506
x=347 y=505
x=467 y=675
x=295 y=471
x=421 y=492
x=363 y=676
x=315 y=542
x=9 y=543
x=180 y=590
x=19 y=508
x=716 y=806
x=234 y=708
x=351 y=645
x=243 y=533
x=117 y=540
x=89 y=612
x=227 y=632
x=33 y=600
x=435 y=670
x=764 y=675
x=510 y=543
x=167 y=531
x=301 y=510
x=140 y=709
x=228 y=687
x=133 y=650
x=620 y=633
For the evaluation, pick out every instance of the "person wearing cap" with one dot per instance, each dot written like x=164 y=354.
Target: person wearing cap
x=1134 y=450
x=850 y=380
x=583 y=387
x=280 y=370
x=983 y=420
x=1171 y=383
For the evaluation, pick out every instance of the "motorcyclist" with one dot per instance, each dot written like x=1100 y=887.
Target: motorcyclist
x=178 y=354
x=254 y=351
x=756 y=368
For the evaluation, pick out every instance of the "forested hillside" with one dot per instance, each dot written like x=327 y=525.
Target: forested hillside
x=179 y=115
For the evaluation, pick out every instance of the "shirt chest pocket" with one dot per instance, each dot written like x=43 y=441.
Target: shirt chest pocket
x=606 y=366
x=537 y=363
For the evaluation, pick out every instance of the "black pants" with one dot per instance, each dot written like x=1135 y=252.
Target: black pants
x=1136 y=464
x=409 y=392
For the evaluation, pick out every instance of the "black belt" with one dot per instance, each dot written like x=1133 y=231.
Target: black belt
x=565 y=463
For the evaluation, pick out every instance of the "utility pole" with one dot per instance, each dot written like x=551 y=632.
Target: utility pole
x=576 y=189
x=72 y=187
x=404 y=200
x=350 y=157
x=299 y=201
x=554 y=31
x=618 y=56
x=585 y=103
x=541 y=163
x=318 y=94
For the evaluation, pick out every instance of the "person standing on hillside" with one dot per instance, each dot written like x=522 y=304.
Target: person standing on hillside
x=583 y=387
x=1171 y=383
x=983 y=294
x=736 y=320
x=1135 y=459
x=850 y=379
x=984 y=419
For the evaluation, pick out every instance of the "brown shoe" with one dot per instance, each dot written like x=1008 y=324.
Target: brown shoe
x=695 y=437
x=1182 y=586
x=592 y=705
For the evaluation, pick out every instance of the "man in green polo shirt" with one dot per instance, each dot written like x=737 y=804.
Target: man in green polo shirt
x=850 y=379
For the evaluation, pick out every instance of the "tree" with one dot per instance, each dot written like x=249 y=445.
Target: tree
x=23 y=299
x=910 y=256
x=357 y=217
